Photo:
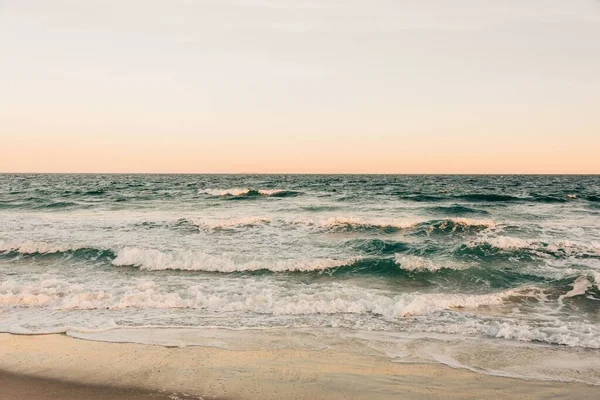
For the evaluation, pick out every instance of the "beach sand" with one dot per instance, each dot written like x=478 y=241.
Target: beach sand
x=58 y=366
x=15 y=386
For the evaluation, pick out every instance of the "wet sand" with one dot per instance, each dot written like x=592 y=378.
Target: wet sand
x=68 y=368
x=23 y=387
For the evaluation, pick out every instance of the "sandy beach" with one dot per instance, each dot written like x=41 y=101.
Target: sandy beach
x=58 y=366
x=15 y=386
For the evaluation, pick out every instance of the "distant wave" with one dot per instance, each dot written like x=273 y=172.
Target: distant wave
x=38 y=204
x=488 y=197
x=454 y=225
x=58 y=204
x=495 y=198
x=345 y=224
x=97 y=192
x=457 y=209
x=228 y=223
x=354 y=224
x=239 y=193
x=378 y=246
x=349 y=224
x=423 y=197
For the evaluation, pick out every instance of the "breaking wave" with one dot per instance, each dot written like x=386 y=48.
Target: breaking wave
x=416 y=263
x=238 y=193
x=259 y=298
x=503 y=246
x=228 y=223
x=354 y=224
x=39 y=248
x=155 y=260
x=349 y=224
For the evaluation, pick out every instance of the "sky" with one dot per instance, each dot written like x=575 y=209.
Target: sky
x=300 y=86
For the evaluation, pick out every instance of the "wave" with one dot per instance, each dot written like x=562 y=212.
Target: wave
x=488 y=197
x=495 y=198
x=458 y=210
x=155 y=260
x=378 y=246
x=450 y=313
x=383 y=259
x=347 y=224
x=503 y=246
x=350 y=224
x=98 y=192
x=58 y=205
x=228 y=223
x=423 y=198
x=416 y=263
x=354 y=224
x=593 y=199
x=238 y=193
x=38 y=248
x=258 y=297
x=572 y=334
x=40 y=205
x=580 y=287
x=550 y=199
x=454 y=225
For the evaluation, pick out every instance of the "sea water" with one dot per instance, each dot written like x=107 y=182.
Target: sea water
x=464 y=270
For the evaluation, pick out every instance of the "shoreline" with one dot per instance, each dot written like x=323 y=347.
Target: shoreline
x=132 y=369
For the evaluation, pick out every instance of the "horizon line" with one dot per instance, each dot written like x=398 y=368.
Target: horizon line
x=312 y=173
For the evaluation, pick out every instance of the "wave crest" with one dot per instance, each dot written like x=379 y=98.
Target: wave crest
x=499 y=245
x=247 y=192
x=415 y=263
x=354 y=224
x=252 y=296
x=155 y=260
x=228 y=223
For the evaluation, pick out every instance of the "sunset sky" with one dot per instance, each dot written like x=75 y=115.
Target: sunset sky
x=308 y=86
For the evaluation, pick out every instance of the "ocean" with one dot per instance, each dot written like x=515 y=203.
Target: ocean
x=498 y=274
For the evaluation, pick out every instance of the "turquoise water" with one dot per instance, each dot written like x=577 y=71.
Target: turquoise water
x=514 y=258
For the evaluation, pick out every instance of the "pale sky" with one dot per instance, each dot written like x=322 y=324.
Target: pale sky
x=329 y=86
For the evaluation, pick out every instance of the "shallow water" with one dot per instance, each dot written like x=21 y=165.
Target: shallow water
x=480 y=257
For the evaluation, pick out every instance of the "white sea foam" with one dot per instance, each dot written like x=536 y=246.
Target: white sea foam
x=567 y=247
x=580 y=286
x=595 y=275
x=344 y=222
x=254 y=295
x=225 y=192
x=151 y=259
x=510 y=359
x=476 y=223
x=228 y=223
x=36 y=247
x=339 y=222
x=507 y=243
x=353 y=222
x=416 y=263
x=573 y=334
